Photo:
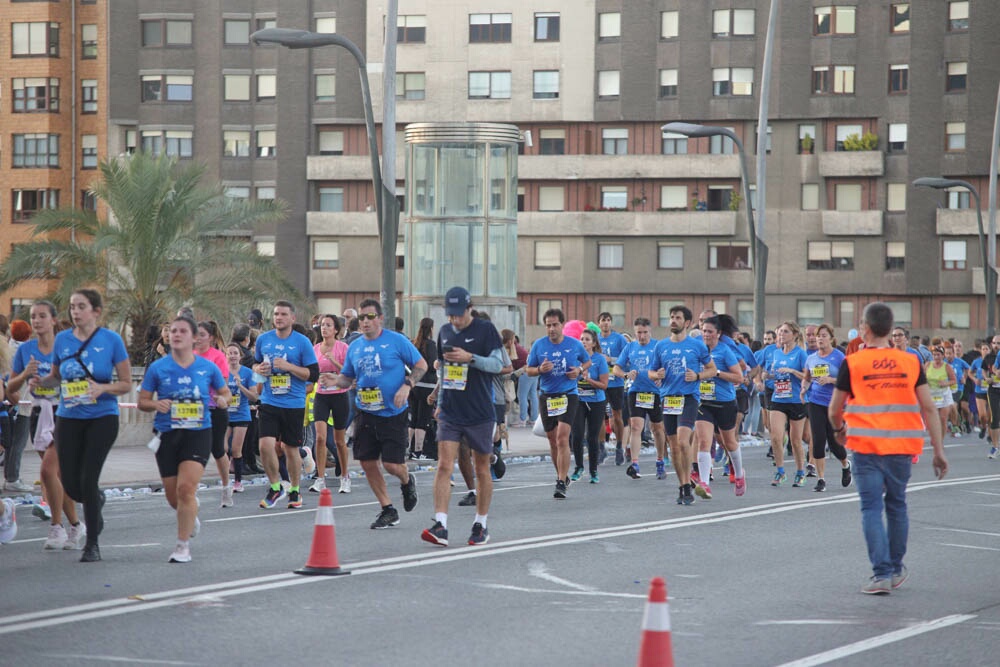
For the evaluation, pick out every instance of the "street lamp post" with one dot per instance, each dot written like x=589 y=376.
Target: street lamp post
x=989 y=270
x=385 y=208
x=758 y=249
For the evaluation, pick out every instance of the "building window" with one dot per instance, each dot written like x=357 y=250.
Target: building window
x=609 y=25
x=266 y=141
x=833 y=20
x=178 y=143
x=614 y=197
x=36 y=151
x=810 y=196
x=88 y=200
x=674 y=144
x=552 y=198
x=807 y=139
x=663 y=307
x=237 y=32
x=88 y=154
x=263 y=23
x=721 y=145
x=732 y=81
x=614 y=141
x=610 y=256
x=744 y=313
x=899 y=79
x=847 y=196
x=152 y=143
x=838 y=80
x=953 y=255
x=669 y=25
x=895 y=255
x=958 y=15
x=810 y=312
x=830 y=255
x=161 y=32
x=29 y=202
x=267 y=85
x=669 y=256
x=331 y=200
x=552 y=142
x=410 y=85
x=668 y=83
x=954 y=136
x=608 y=84
x=35 y=95
x=902 y=312
x=673 y=197
x=845 y=131
x=489 y=28
x=615 y=308
x=326 y=24
x=728 y=255
x=955 y=314
x=545 y=85
x=236 y=87
x=237 y=192
x=236 y=143
x=35 y=39
x=957 y=77
x=547 y=255
x=959 y=199
x=331 y=142
x=547 y=26
x=326 y=254
x=169 y=88
x=131 y=141
x=899 y=17
x=326 y=87
x=88 y=94
x=411 y=28
x=544 y=305
x=732 y=22
x=88 y=41
x=266 y=249
x=489 y=85
x=897 y=137
x=895 y=197
x=266 y=193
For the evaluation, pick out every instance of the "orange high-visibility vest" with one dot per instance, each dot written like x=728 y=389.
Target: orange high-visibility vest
x=883 y=415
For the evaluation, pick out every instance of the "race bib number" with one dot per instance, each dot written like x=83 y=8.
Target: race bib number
x=456 y=377
x=645 y=400
x=585 y=389
x=939 y=397
x=556 y=405
x=782 y=388
x=673 y=405
x=280 y=384
x=45 y=392
x=76 y=392
x=821 y=371
x=707 y=390
x=953 y=387
x=186 y=414
x=234 y=402
x=371 y=399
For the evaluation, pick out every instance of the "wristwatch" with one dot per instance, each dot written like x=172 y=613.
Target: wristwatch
x=408 y=383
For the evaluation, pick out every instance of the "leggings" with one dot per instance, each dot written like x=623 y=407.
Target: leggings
x=993 y=396
x=83 y=446
x=822 y=433
x=590 y=420
x=220 y=424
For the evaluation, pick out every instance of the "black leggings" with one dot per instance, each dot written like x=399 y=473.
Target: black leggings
x=220 y=424
x=590 y=420
x=822 y=433
x=83 y=446
x=993 y=396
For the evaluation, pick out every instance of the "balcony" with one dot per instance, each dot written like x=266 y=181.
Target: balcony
x=604 y=167
x=851 y=164
x=346 y=167
x=354 y=223
x=958 y=222
x=631 y=223
x=852 y=223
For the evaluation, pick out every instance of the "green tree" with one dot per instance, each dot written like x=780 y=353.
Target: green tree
x=168 y=242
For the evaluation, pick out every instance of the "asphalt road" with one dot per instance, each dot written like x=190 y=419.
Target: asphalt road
x=772 y=578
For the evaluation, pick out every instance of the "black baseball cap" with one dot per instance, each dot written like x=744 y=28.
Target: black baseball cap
x=456 y=301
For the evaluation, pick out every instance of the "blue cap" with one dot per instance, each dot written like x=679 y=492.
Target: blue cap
x=456 y=301
x=852 y=334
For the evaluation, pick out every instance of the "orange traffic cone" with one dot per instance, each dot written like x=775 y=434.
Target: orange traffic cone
x=655 y=650
x=323 y=556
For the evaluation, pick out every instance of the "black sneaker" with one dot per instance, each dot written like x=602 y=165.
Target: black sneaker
x=91 y=554
x=499 y=467
x=680 y=496
x=810 y=470
x=479 y=535
x=982 y=432
x=436 y=534
x=845 y=475
x=689 y=494
x=409 y=494
x=560 y=491
x=619 y=456
x=469 y=500
x=820 y=485
x=633 y=471
x=386 y=518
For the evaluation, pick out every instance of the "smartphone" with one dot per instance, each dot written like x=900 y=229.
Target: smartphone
x=447 y=348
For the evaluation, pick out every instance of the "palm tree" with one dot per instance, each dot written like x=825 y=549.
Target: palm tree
x=168 y=242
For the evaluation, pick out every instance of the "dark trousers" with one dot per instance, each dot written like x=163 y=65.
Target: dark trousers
x=83 y=446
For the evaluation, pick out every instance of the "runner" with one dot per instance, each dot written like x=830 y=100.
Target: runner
x=243 y=390
x=822 y=367
x=207 y=344
x=612 y=344
x=589 y=420
x=330 y=400
x=981 y=377
x=763 y=383
x=940 y=380
x=421 y=412
x=960 y=414
x=787 y=368
x=188 y=388
x=634 y=362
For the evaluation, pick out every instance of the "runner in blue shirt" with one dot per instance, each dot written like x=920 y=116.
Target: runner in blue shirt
x=243 y=389
x=763 y=383
x=787 y=368
x=960 y=366
x=982 y=385
x=590 y=412
x=822 y=367
x=634 y=362
x=612 y=344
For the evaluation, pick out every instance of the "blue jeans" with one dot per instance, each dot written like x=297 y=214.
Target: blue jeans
x=527 y=397
x=881 y=482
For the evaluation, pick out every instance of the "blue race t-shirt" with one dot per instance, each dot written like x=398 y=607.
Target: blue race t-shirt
x=104 y=351
x=977 y=369
x=717 y=389
x=958 y=364
x=27 y=351
x=787 y=386
x=189 y=390
x=821 y=367
x=639 y=358
x=763 y=357
x=612 y=346
x=588 y=392
x=676 y=358
x=239 y=407
x=466 y=396
x=379 y=366
x=284 y=390
x=567 y=354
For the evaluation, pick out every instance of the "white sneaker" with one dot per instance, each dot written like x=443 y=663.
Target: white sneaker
x=19 y=486
x=195 y=530
x=345 y=485
x=308 y=462
x=227 y=496
x=285 y=485
x=75 y=537
x=181 y=554
x=318 y=485
x=57 y=537
x=42 y=511
x=8 y=521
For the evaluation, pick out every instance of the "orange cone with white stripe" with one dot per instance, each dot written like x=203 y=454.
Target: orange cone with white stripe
x=655 y=650
x=323 y=555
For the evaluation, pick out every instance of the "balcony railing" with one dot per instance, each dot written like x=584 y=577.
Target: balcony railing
x=852 y=223
x=851 y=163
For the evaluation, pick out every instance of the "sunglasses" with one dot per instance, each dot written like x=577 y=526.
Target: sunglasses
x=368 y=316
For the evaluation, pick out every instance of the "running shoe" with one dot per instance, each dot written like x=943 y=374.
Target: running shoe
x=227 y=497
x=916 y=459
x=468 y=500
x=181 y=554
x=75 y=537
x=386 y=518
x=688 y=495
x=993 y=453
x=633 y=471
x=704 y=491
x=594 y=479
x=56 y=539
x=294 y=500
x=619 y=456
x=197 y=528
x=91 y=553
x=982 y=432
x=680 y=495
x=577 y=474
x=318 y=485
x=42 y=511
x=741 y=484
x=237 y=487
x=695 y=477
x=877 y=586
x=799 y=478
x=273 y=498
x=18 y=486
x=661 y=470
x=345 y=485
x=437 y=534
x=779 y=479
x=499 y=468
x=308 y=462
x=732 y=476
x=810 y=470
x=409 y=493
x=479 y=535
x=899 y=577
x=718 y=454
x=820 y=485
x=845 y=475
x=560 y=491
x=602 y=454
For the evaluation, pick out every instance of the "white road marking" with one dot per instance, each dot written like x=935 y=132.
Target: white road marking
x=967 y=546
x=539 y=570
x=962 y=530
x=879 y=640
x=115 y=658
x=522 y=589
x=130 y=546
x=810 y=621
x=985 y=493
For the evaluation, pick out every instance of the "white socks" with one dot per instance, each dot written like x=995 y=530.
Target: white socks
x=705 y=467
